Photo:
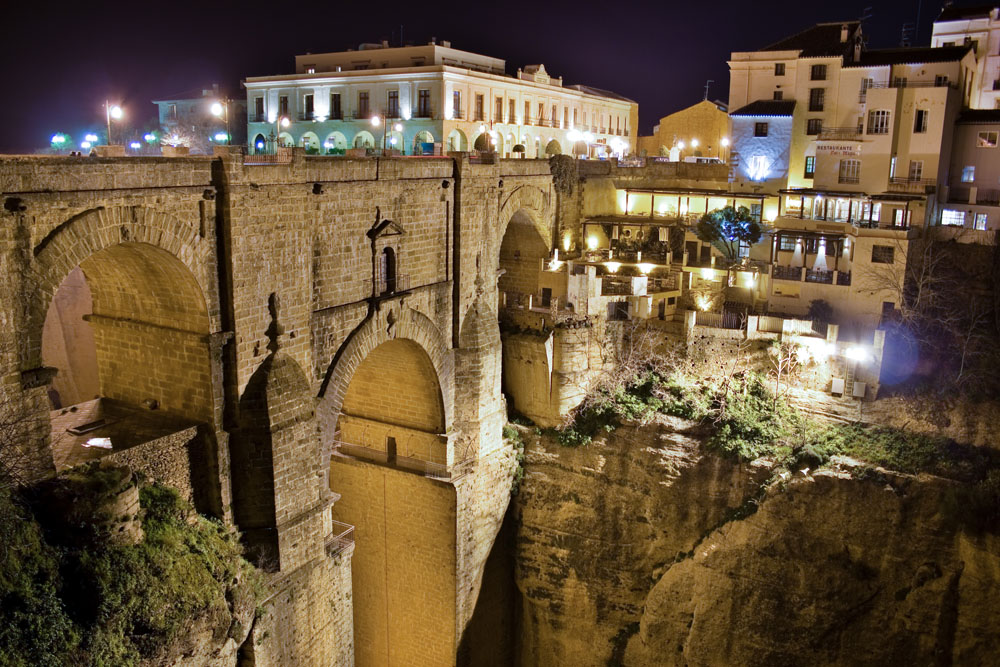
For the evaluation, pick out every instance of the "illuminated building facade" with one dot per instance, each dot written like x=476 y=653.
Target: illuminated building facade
x=434 y=98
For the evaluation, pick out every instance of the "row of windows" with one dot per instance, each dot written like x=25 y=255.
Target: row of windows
x=850 y=169
x=881 y=254
x=953 y=218
x=817 y=73
x=610 y=123
x=877 y=123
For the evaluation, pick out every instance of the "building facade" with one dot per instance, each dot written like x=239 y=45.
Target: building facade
x=978 y=28
x=190 y=115
x=434 y=98
x=972 y=197
x=701 y=130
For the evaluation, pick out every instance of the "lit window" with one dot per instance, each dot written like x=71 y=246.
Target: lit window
x=987 y=140
x=878 y=121
x=953 y=218
x=810 y=166
x=850 y=171
x=980 y=222
x=968 y=174
x=758 y=167
x=916 y=170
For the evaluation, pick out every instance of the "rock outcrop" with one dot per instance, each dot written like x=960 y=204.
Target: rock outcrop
x=644 y=549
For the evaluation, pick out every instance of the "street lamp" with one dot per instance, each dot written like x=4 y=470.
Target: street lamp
x=112 y=111
x=220 y=109
x=382 y=120
x=725 y=146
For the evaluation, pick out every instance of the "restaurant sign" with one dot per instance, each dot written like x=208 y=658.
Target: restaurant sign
x=836 y=148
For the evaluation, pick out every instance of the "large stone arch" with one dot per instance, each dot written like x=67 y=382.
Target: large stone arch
x=533 y=201
x=380 y=328
x=88 y=233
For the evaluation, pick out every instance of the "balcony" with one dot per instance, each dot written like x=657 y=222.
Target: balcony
x=387 y=286
x=669 y=283
x=848 y=180
x=363 y=114
x=336 y=115
x=423 y=113
x=843 y=278
x=788 y=273
x=819 y=276
x=307 y=115
x=619 y=286
x=840 y=134
x=340 y=540
x=912 y=185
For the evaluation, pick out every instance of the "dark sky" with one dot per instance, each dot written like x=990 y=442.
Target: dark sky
x=59 y=62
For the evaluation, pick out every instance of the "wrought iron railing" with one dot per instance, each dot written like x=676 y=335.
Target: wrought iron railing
x=787 y=272
x=911 y=185
x=843 y=277
x=340 y=539
x=392 y=285
x=840 y=134
x=819 y=276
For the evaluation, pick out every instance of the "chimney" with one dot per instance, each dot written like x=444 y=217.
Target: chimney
x=385 y=44
x=446 y=44
x=843 y=33
x=434 y=40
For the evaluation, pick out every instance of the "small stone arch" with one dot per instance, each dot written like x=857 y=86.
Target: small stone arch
x=420 y=139
x=259 y=142
x=457 y=141
x=335 y=142
x=389 y=323
x=364 y=139
x=309 y=141
x=92 y=231
x=285 y=139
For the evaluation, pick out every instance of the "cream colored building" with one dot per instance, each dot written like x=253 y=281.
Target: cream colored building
x=972 y=197
x=700 y=130
x=435 y=98
x=854 y=144
x=979 y=28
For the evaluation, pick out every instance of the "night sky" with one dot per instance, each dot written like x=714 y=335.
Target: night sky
x=60 y=62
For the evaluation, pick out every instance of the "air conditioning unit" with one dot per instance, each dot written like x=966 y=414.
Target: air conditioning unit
x=859 y=389
x=837 y=386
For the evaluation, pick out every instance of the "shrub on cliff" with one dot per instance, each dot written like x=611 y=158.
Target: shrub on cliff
x=69 y=597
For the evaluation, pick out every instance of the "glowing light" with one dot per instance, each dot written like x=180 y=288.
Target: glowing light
x=554 y=265
x=612 y=267
x=91 y=138
x=449 y=114
x=135 y=145
x=393 y=141
x=694 y=143
x=592 y=242
x=116 y=112
x=724 y=142
x=857 y=353
x=646 y=267
x=567 y=241
x=406 y=114
x=376 y=121
x=398 y=127
x=260 y=144
x=58 y=139
x=85 y=144
x=216 y=109
x=707 y=274
x=588 y=137
x=703 y=302
x=285 y=122
x=680 y=145
x=149 y=137
x=327 y=144
x=573 y=135
x=221 y=136
x=482 y=128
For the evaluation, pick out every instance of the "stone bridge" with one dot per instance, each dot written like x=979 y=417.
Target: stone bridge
x=329 y=326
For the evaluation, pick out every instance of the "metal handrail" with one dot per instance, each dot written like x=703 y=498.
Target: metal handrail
x=341 y=539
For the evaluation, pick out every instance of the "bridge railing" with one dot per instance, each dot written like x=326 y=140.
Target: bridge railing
x=433 y=466
x=341 y=539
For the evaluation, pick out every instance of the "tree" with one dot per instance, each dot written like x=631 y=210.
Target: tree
x=726 y=228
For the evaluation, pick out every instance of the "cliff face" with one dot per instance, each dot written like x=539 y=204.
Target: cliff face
x=638 y=550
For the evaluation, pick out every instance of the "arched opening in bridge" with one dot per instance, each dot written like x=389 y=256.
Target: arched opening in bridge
x=391 y=442
x=128 y=332
x=483 y=143
x=364 y=139
x=522 y=253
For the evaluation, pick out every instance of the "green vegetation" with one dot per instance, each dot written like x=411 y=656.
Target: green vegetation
x=69 y=595
x=513 y=436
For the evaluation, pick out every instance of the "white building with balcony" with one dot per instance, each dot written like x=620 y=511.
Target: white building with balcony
x=433 y=98
x=978 y=28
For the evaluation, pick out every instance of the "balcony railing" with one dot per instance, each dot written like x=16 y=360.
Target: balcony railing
x=438 y=469
x=423 y=113
x=307 y=115
x=840 y=134
x=663 y=284
x=788 y=273
x=340 y=540
x=903 y=83
x=912 y=185
x=257 y=118
x=612 y=286
x=819 y=276
x=267 y=155
x=848 y=180
x=843 y=277
x=400 y=283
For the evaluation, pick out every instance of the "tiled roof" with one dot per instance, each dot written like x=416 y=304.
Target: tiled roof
x=979 y=116
x=590 y=90
x=767 y=108
x=958 y=13
x=822 y=39
x=876 y=57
